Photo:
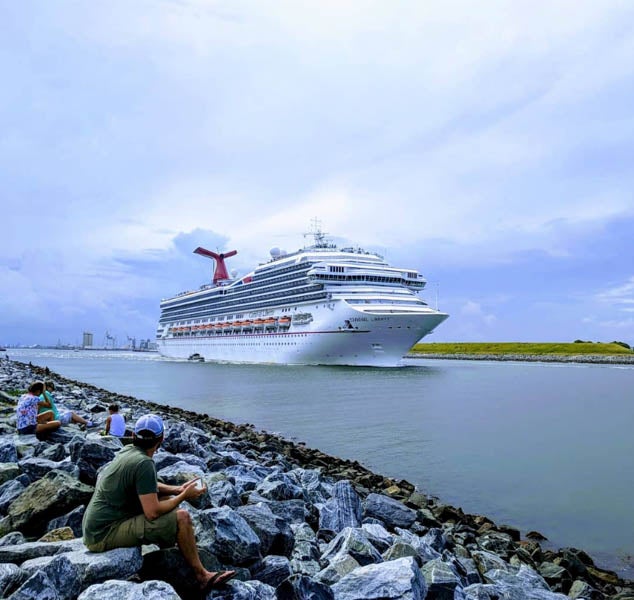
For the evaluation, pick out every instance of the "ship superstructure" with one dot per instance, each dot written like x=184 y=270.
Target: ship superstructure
x=319 y=305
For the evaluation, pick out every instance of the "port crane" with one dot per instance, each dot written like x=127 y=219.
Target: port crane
x=109 y=341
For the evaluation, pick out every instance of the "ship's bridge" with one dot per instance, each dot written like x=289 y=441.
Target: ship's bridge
x=349 y=272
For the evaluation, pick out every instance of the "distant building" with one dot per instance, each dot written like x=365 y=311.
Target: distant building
x=87 y=340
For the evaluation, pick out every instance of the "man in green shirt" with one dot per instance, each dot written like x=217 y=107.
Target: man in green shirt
x=130 y=508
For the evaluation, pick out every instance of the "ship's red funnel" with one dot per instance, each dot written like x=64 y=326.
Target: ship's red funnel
x=220 y=272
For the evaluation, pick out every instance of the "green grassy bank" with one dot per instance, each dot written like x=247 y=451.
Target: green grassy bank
x=522 y=348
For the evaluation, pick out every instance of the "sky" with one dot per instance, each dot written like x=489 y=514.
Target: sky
x=492 y=149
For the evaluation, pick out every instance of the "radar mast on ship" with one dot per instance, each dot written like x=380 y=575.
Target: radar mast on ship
x=319 y=236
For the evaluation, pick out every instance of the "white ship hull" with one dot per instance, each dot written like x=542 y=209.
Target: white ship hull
x=337 y=335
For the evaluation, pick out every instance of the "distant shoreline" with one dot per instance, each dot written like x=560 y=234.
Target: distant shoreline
x=610 y=359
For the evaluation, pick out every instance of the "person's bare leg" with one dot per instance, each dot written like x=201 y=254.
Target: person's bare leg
x=50 y=426
x=186 y=541
x=45 y=417
x=75 y=418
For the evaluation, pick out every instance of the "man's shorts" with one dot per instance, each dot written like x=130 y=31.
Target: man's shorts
x=65 y=417
x=137 y=531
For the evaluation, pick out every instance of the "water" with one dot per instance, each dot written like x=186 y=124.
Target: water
x=538 y=446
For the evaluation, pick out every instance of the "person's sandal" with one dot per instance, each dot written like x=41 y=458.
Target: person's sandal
x=216 y=581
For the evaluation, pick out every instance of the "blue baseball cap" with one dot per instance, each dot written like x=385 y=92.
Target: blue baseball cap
x=149 y=423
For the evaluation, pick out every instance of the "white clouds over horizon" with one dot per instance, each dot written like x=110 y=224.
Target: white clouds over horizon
x=490 y=148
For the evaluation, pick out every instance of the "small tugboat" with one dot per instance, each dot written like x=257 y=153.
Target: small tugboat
x=196 y=357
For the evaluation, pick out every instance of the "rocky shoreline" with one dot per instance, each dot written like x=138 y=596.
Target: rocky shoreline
x=597 y=359
x=294 y=522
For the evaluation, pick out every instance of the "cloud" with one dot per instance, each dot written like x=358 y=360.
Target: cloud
x=490 y=149
x=619 y=298
x=474 y=310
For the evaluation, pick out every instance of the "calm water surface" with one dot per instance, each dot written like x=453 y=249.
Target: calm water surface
x=537 y=446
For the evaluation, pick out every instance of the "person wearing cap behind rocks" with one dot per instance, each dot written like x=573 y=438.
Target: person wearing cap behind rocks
x=130 y=507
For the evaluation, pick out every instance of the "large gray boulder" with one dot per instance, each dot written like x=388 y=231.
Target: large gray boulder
x=487 y=561
x=380 y=537
x=170 y=566
x=420 y=544
x=394 y=580
x=435 y=538
x=12 y=539
x=276 y=536
x=272 y=570
x=73 y=520
x=582 y=589
x=65 y=576
x=10 y=578
x=8 y=453
x=222 y=493
x=181 y=437
x=301 y=587
x=52 y=496
x=401 y=550
x=37 y=586
x=8 y=471
x=310 y=480
x=126 y=590
x=244 y=479
x=388 y=510
x=243 y=590
x=338 y=567
x=18 y=553
x=499 y=543
x=180 y=473
x=525 y=584
x=36 y=467
x=352 y=542
x=63 y=435
x=9 y=492
x=279 y=486
x=292 y=511
x=92 y=453
x=305 y=558
x=164 y=459
x=342 y=510
x=54 y=452
x=227 y=535
x=93 y=567
x=441 y=580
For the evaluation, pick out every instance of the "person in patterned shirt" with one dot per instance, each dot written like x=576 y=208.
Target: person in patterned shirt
x=27 y=419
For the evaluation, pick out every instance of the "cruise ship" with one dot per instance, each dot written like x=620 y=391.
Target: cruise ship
x=320 y=305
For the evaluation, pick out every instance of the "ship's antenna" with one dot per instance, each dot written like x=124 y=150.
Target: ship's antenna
x=319 y=236
x=220 y=272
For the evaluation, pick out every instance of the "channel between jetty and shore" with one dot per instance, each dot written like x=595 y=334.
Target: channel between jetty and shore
x=294 y=522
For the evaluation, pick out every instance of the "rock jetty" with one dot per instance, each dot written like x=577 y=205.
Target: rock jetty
x=596 y=359
x=294 y=522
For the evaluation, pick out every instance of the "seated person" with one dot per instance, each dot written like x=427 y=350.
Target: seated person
x=115 y=423
x=63 y=416
x=130 y=507
x=28 y=420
